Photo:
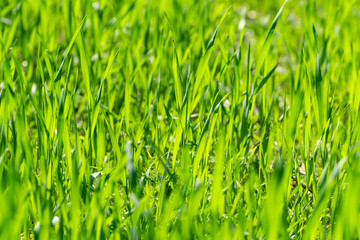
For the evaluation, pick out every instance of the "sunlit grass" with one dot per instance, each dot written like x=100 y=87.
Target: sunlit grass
x=179 y=119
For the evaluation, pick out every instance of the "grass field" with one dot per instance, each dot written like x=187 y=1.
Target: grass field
x=154 y=119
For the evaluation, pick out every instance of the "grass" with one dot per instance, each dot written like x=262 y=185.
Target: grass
x=179 y=119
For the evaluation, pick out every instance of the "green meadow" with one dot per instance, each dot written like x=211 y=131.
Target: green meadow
x=179 y=119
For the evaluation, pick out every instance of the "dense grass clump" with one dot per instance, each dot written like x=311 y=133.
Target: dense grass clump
x=179 y=119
